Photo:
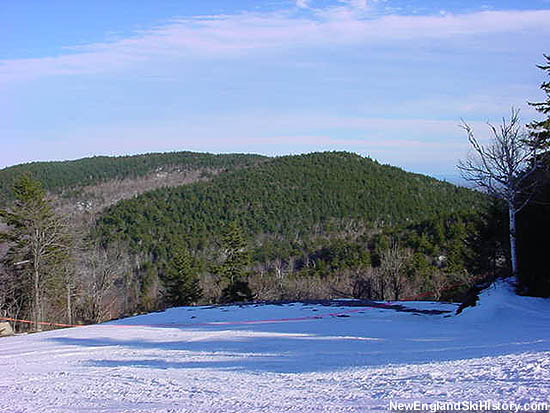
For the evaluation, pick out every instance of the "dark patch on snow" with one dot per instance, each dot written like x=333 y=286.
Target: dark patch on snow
x=472 y=295
x=335 y=303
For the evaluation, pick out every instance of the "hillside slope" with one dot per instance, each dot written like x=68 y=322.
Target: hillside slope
x=64 y=176
x=290 y=196
x=292 y=357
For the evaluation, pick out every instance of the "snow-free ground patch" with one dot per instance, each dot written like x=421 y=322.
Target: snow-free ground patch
x=292 y=357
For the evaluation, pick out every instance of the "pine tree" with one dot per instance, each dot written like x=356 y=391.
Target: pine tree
x=237 y=259
x=534 y=221
x=38 y=242
x=540 y=130
x=235 y=250
x=151 y=286
x=182 y=282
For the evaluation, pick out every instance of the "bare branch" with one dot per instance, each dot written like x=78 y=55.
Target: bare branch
x=503 y=168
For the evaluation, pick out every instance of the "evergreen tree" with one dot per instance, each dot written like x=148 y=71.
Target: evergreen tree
x=237 y=259
x=534 y=221
x=540 y=130
x=38 y=242
x=151 y=287
x=235 y=251
x=533 y=229
x=182 y=282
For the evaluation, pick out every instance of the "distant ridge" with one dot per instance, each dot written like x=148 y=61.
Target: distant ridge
x=57 y=176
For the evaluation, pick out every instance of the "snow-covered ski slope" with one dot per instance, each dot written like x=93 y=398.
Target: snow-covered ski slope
x=212 y=359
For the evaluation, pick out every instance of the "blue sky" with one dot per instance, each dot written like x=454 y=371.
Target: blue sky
x=389 y=78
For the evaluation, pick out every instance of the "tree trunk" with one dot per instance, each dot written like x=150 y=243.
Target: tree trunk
x=69 y=305
x=37 y=303
x=513 y=245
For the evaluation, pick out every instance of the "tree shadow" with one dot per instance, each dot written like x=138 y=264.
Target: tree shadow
x=288 y=350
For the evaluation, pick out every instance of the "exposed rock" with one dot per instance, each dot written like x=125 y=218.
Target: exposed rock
x=5 y=329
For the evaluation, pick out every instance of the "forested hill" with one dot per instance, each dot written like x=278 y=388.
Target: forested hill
x=223 y=228
x=57 y=176
x=289 y=196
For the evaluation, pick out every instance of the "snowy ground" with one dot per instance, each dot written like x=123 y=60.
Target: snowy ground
x=303 y=359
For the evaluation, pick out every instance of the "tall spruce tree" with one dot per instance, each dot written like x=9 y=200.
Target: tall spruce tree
x=235 y=251
x=534 y=221
x=540 y=129
x=182 y=283
x=38 y=242
x=237 y=259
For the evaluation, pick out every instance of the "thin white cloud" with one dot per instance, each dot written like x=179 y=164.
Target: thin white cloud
x=228 y=36
x=303 y=4
x=355 y=4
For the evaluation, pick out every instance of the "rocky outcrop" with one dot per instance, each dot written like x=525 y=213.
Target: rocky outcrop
x=5 y=329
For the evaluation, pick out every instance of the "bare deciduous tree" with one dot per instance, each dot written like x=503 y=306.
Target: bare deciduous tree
x=393 y=266
x=37 y=239
x=438 y=282
x=102 y=269
x=502 y=168
x=12 y=298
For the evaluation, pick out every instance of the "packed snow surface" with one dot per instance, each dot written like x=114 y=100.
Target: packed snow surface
x=279 y=358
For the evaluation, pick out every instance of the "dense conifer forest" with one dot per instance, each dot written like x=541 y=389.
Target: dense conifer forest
x=533 y=225
x=288 y=195
x=67 y=175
